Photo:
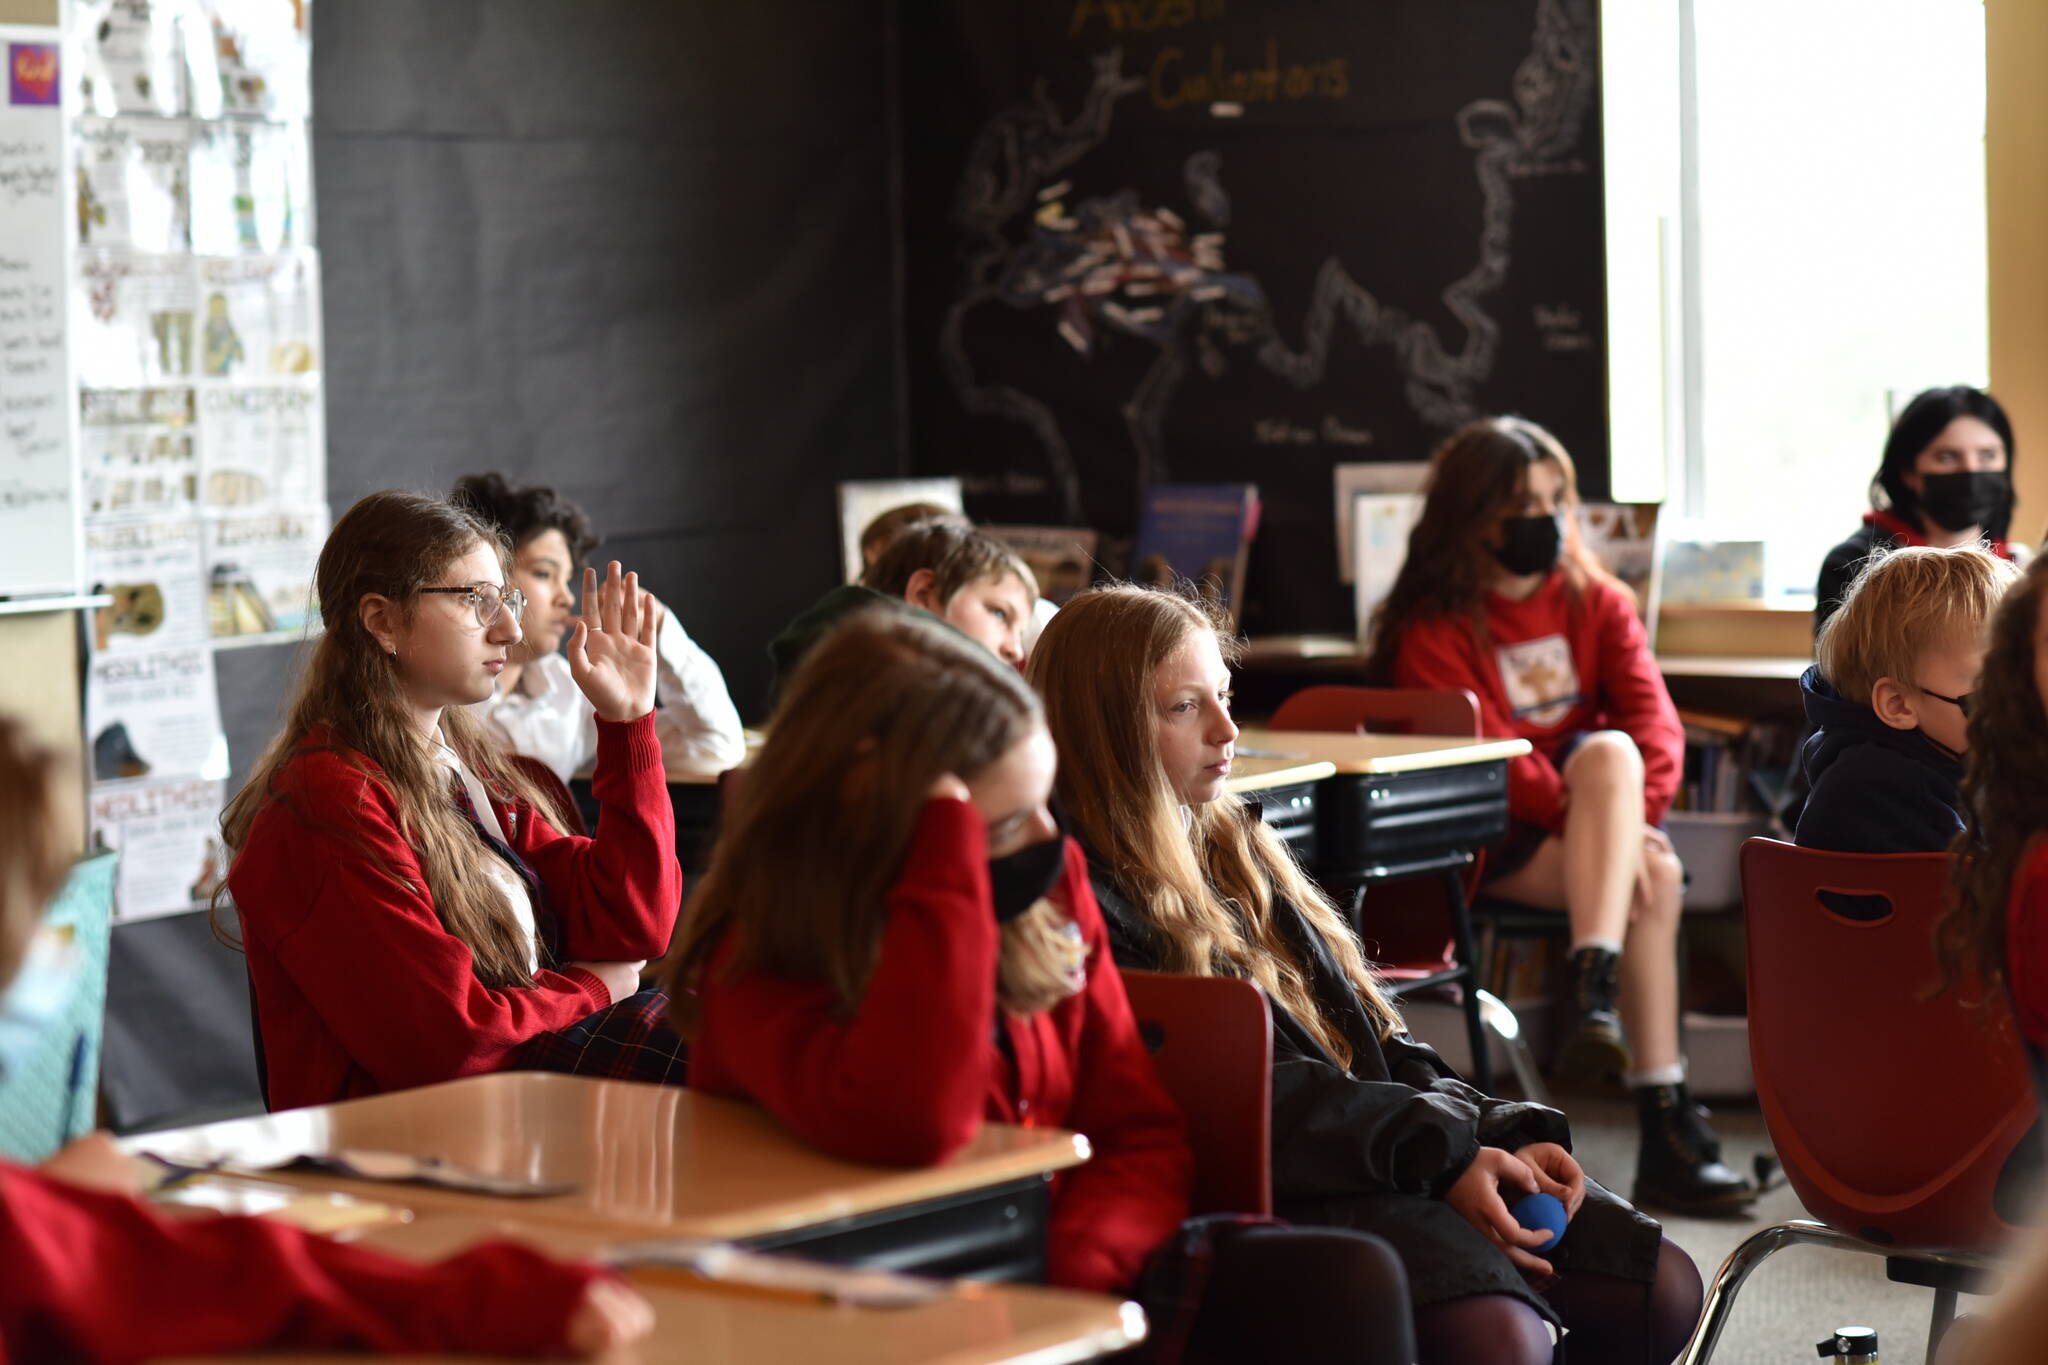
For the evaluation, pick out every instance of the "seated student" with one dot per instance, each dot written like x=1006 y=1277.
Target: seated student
x=89 y=1273
x=1498 y=597
x=880 y=533
x=1370 y=1129
x=410 y=909
x=537 y=708
x=1887 y=701
x=894 y=945
x=967 y=578
x=1997 y=923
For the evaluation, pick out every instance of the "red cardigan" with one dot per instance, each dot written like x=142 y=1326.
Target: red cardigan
x=358 y=987
x=1550 y=670
x=909 y=1076
x=95 y=1277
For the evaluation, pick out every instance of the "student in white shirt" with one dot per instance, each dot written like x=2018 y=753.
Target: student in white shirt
x=538 y=709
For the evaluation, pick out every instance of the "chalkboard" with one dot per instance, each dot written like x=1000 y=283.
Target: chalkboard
x=39 y=518
x=1201 y=240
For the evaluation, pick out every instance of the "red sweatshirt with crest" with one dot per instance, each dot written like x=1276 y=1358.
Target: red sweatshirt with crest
x=909 y=1074
x=1548 y=669
x=359 y=988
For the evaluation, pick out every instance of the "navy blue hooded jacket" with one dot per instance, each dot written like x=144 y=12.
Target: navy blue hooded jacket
x=1875 y=789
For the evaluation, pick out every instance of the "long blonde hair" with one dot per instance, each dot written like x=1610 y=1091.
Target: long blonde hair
x=1208 y=890
x=393 y=544
x=823 y=818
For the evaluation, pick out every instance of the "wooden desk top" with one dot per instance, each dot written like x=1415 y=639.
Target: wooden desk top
x=976 y=1324
x=646 y=1160
x=1787 y=667
x=1378 y=753
x=1255 y=774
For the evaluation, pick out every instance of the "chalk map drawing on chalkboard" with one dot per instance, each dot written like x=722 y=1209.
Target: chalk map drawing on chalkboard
x=1112 y=263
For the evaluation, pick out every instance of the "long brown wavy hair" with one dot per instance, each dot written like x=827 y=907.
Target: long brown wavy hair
x=1208 y=889
x=2005 y=787
x=349 y=703
x=32 y=853
x=1476 y=476
x=822 y=821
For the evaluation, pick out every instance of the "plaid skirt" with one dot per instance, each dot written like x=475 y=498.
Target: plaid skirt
x=629 y=1041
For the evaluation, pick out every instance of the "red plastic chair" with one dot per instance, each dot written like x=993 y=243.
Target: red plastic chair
x=553 y=787
x=1893 y=1104
x=1212 y=1039
x=1380 y=711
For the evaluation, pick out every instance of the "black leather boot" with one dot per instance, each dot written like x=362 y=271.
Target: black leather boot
x=1594 y=1052
x=1679 y=1166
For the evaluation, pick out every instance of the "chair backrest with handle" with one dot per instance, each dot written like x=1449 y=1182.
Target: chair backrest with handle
x=1212 y=1039
x=1893 y=1103
x=1380 y=710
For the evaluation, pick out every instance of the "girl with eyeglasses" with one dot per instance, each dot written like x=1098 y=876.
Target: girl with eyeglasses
x=410 y=908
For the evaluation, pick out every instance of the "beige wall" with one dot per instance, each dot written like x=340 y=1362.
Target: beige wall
x=40 y=686
x=28 y=11
x=2016 y=172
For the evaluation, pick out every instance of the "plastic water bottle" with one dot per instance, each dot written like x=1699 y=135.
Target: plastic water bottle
x=1850 y=1346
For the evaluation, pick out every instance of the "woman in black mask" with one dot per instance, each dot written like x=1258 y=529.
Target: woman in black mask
x=1498 y=597
x=1946 y=480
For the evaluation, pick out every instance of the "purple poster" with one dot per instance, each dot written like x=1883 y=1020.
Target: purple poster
x=32 y=73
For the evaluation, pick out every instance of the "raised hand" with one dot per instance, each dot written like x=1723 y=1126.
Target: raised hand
x=611 y=650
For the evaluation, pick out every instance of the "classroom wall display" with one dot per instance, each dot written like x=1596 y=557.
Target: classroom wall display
x=39 y=541
x=168 y=836
x=1212 y=241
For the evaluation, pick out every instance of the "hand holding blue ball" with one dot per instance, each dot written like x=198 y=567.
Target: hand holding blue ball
x=1542 y=1212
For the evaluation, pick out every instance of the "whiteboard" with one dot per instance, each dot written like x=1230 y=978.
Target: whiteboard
x=40 y=540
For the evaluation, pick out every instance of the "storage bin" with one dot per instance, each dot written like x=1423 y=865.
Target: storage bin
x=1710 y=846
x=1717 y=1056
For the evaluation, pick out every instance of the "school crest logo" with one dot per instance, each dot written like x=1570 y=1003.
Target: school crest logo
x=1542 y=681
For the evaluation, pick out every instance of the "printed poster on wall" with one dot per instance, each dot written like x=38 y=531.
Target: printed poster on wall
x=154 y=572
x=168 y=834
x=127 y=57
x=132 y=316
x=155 y=714
x=251 y=188
x=259 y=59
x=258 y=316
x=137 y=454
x=259 y=572
x=260 y=446
x=133 y=183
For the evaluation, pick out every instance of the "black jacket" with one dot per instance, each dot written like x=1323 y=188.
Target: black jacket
x=1399 y=1121
x=1842 y=565
x=1874 y=789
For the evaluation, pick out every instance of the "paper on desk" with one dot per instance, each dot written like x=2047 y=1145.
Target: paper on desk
x=723 y=1264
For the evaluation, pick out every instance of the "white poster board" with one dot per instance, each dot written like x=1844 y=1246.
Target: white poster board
x=39 y=516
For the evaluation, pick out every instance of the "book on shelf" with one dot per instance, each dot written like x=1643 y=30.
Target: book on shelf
x=1199 y=533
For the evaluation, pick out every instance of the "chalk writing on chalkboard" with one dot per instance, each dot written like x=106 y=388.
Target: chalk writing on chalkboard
x=1134 y=266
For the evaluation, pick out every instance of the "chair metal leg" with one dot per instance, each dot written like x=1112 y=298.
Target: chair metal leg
x=1494 y=1012
x=1461 y=944
x=1944 y=1317
x=1753 y=1252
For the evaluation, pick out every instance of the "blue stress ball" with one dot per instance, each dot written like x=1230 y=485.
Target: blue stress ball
x=1540 y=1212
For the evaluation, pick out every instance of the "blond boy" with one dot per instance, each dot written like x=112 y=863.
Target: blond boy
x=1889 y=700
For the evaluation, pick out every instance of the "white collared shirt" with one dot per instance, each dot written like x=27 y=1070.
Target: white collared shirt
x=549 y=718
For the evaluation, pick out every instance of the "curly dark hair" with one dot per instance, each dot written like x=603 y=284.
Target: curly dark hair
x=2005 y=789
x=525 y=510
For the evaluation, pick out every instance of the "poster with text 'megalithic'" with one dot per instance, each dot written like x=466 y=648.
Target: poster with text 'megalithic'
x=168 y=835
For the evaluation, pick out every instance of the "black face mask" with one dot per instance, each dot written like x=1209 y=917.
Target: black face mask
x=1020 y=880
x=1529 y=544
x=1965 y=498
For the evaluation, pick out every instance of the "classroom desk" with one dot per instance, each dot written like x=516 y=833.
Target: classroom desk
x=651 y=1160
x=1404 y=806
x=975 y=1324
x=1260 y=773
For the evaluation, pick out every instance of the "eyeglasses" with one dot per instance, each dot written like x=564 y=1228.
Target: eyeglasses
x=1961 y=703
x=488 y=599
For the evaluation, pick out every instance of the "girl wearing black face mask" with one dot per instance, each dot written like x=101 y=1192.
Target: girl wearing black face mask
x=1498 y=597
x=1946 y=479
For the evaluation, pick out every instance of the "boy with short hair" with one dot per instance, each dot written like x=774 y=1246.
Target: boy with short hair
x=1889 y=701
x=965 y=577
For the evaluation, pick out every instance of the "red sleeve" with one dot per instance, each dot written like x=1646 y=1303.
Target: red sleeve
x=398 y=992
x=1636 y=699
x=1439 y=652
x=95 y=1277
x=614 y=897
x=1113 y=1212
x=903 y=1078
